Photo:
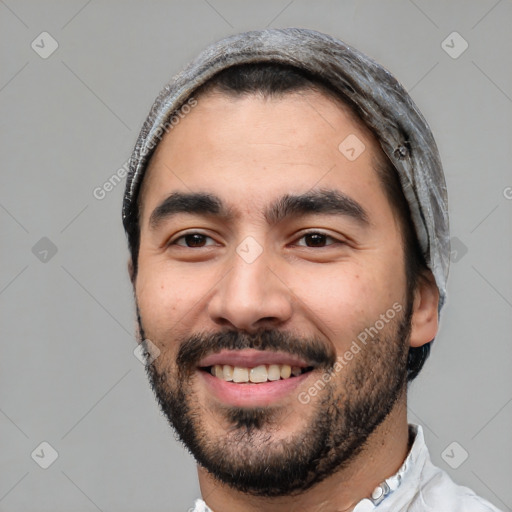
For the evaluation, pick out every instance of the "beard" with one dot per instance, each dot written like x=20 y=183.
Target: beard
x=248 y=454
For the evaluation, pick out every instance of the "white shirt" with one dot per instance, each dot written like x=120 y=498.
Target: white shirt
x=418 y=486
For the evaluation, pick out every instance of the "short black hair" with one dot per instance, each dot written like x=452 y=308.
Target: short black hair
x=270 y=79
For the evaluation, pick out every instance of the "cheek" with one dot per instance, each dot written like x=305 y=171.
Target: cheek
x=344 y=299
x=170 y=297
x=160 y=301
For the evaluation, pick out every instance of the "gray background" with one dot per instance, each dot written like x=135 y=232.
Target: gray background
x=67 y=369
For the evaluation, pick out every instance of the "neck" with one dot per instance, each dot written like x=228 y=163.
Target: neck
x=383 y=454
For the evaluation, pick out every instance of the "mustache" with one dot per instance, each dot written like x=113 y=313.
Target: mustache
x=313 y=350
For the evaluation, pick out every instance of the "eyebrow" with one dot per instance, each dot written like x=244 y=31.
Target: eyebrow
x=325 y=201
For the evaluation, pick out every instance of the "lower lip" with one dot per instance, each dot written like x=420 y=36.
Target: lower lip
x=248 y=394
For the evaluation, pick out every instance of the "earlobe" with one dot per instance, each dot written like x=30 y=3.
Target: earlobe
x=425 y=320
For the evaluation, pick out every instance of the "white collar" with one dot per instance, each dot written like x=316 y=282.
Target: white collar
x=412 y=465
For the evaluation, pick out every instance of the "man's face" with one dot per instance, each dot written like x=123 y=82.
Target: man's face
x=270 y=286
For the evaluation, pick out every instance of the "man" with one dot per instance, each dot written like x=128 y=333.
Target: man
x=286 y=213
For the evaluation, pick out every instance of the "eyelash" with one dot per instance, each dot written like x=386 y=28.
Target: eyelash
x=336 y=241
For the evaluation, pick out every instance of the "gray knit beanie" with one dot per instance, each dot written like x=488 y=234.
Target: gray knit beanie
x=381 y=102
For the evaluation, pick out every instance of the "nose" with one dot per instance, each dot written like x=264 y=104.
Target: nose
x=251 y=296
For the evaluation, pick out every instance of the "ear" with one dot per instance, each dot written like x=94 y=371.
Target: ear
x=130 y=271
x=425 y=321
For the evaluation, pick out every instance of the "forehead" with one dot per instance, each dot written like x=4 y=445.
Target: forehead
x=293 y=141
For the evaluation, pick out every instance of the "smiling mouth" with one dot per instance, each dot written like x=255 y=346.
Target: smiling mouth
x=257 y=374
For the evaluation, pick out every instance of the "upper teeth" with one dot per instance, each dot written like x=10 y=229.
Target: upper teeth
x=262 y=373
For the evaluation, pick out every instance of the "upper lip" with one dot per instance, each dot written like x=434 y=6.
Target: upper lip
x=250 y=358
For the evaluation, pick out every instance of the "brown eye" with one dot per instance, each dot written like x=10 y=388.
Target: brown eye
x=316 y=239
x=192 y=240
